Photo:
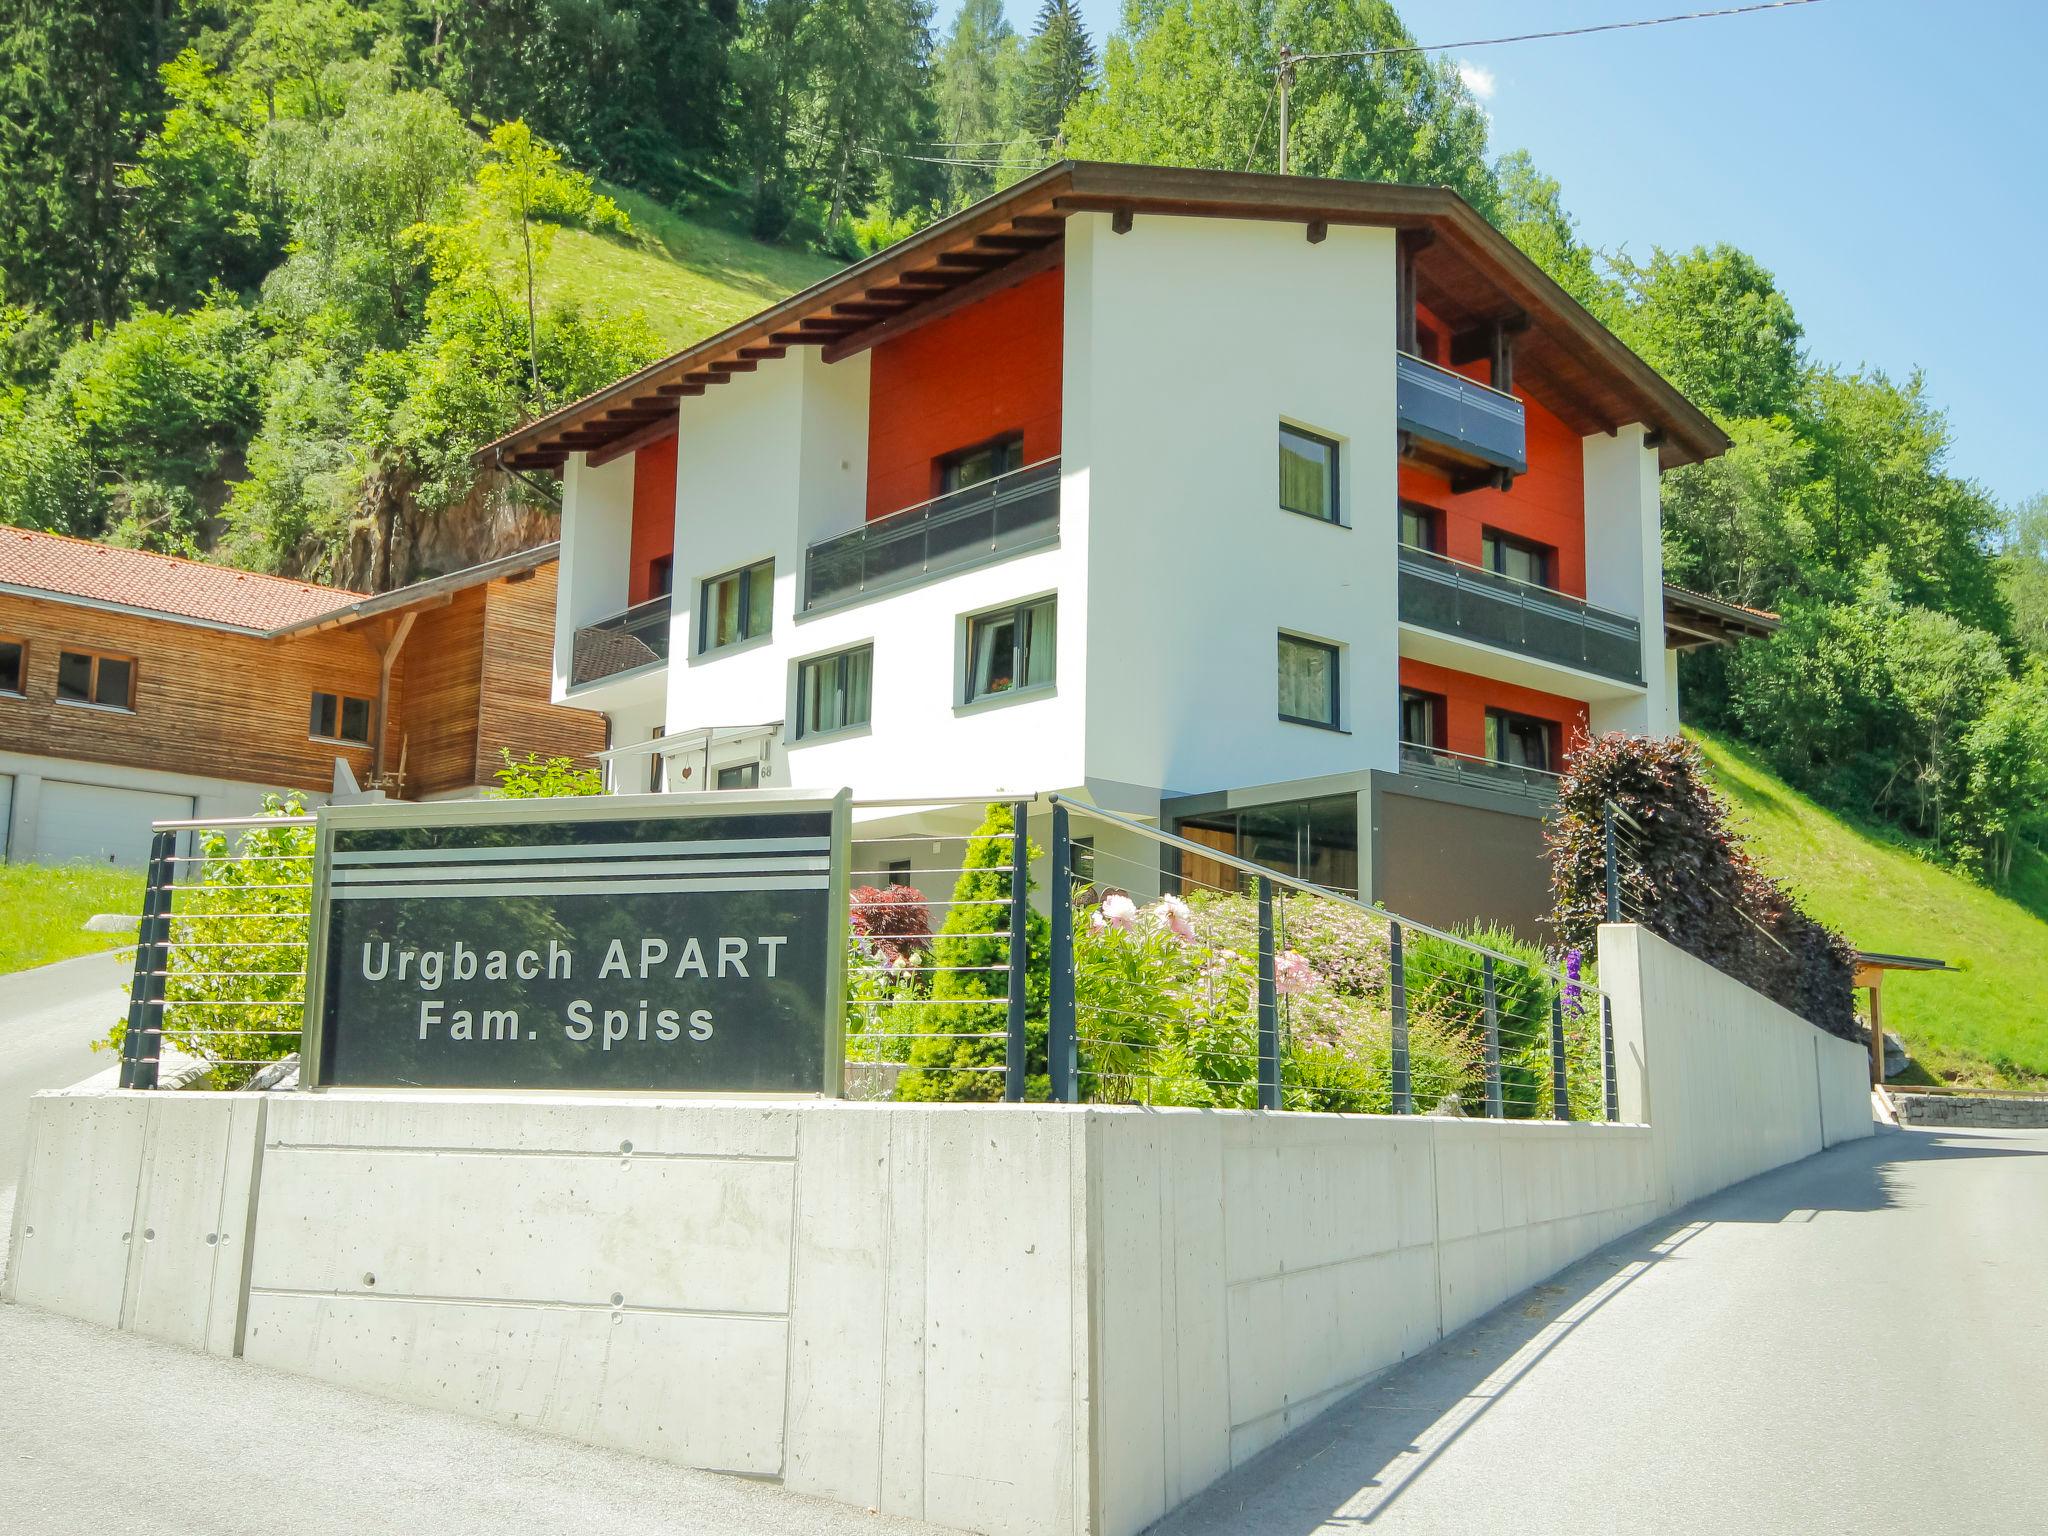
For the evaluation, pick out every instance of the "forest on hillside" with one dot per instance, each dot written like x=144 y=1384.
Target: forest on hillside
x=271 y=270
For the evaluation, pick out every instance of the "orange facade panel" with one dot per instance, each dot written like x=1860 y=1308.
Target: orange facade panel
x=654 y=519
x=982 y=372
x=1545 y=506
x=1467 y=699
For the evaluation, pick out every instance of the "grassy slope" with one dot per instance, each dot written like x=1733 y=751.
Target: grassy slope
x=690 y=279
x=43 y=910
x=1987 y=1025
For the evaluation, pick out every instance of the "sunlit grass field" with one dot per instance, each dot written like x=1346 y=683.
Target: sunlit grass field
x=43 y=909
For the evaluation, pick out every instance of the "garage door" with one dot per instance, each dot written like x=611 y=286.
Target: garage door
x=100 y=825
x=6 y=811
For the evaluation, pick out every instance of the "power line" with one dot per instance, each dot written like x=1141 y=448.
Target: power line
x=1534 y=37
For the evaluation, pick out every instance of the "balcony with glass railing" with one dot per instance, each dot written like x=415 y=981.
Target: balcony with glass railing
x=1456 y=423
x=1435 y=763
x=1453 y=598
x=1002 y=517
x=625 y=642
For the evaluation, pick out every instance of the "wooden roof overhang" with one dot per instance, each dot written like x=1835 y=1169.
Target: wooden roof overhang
x=1693 y=619
x=1467 y=273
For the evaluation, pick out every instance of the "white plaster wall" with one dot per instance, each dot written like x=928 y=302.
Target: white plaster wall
x=1625 y=568
x=597 y=545
x=1188 y=341
x=776 y=460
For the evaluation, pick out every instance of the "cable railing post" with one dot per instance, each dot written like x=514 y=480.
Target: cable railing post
x=1613 y=1091
x=1020 y=950
x=142 y=1044
x=1607 y=855
x=1560 y=1101
x=1403 y=1093
x=1494 y=1109
x=1269 y=1004
x=1060 y=1044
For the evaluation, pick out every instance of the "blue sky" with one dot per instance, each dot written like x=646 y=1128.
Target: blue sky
x=1885 y=158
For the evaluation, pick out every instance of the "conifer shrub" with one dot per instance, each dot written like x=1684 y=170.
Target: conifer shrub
x=958 y=1051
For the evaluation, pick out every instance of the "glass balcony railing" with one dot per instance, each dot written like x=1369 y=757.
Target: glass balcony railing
x=1495 y=610
x=1006 y=516
x=625 y=642
x=1479 y=772
x=1461 y=418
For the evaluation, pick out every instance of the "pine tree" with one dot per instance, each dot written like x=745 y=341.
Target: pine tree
x=958 y=1054
x=1060 y=67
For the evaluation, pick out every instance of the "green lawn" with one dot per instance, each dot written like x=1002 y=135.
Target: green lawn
x=1986 y=1025
x=689 y=278
x=43 y=910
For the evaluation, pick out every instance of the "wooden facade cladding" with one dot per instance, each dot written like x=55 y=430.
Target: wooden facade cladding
x=207 y=701
x=518 y=669
x=471 y=681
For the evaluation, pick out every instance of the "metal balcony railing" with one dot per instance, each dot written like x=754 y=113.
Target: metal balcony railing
x=1481 y=772
x=1006 y=516
x=625 y=642
x=1460 y=415
x=1496 y=610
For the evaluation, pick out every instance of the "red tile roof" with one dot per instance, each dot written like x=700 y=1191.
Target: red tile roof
x=166 y=584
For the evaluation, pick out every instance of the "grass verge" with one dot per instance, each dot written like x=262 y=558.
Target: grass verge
x=1987 y=1024
x=43 y=909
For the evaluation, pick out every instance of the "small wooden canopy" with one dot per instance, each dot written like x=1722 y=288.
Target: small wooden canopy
x=1693 y=620
x=1464 y=270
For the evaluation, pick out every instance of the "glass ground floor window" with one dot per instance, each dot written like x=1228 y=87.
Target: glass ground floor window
x=1313 y=840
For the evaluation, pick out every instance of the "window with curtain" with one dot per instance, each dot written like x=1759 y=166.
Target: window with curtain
x=1522 y=741
x=1422 y=718
x=1422 y=527
x=739 y=605
x=1518 y=559
x=1308 y=474
x=1308 y=681
x=833 y=692
x=1011 y=649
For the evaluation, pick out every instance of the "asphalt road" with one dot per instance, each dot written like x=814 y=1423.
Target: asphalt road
x=49 y=1018
x=1855 y=1344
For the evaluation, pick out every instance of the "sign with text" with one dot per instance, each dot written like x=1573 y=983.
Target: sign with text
x=671 y=943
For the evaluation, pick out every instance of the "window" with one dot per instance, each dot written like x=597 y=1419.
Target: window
x=83 y=678
x=1422 y=718
x=13 y=666
x=1308 y=682
x=661 y=576
x=1081 y=859
x=1313 y=840
x=1522 y=741
x=1519 y=559
x=740 y=776
x=1011 y=649
x=832 y=692
x=337 y=717
x=984 y=461
x=1308 y=474
x=898 y=871
x=739 y=605
x=1422 y=527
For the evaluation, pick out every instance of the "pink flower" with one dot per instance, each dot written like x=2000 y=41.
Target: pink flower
x=1292 y=973
x=1179 y=921
x=1117 y=910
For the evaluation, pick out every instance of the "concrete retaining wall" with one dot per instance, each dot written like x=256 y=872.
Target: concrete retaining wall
x=1028 y=1319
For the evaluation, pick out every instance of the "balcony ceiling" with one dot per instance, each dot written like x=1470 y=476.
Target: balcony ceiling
x=1466 y=272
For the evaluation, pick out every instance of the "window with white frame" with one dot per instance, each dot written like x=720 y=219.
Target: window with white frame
x=739 y=605
x=1308 y=682
x=1011 y=649
x=833 y=693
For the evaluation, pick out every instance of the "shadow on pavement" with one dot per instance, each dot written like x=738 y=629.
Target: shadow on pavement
x=1347 y=1467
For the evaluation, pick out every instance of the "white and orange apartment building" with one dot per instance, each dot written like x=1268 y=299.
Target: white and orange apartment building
x=1306 y=518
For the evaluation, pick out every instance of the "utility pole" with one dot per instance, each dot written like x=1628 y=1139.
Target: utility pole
x=1286 y=80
